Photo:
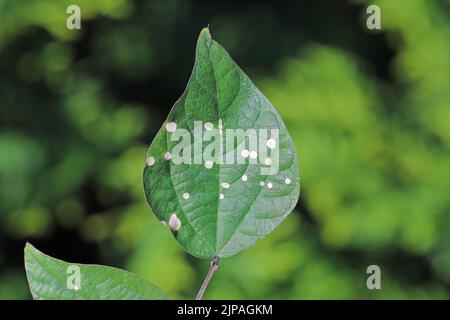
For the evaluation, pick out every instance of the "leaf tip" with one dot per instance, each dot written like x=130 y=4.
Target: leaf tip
x=205 y=29
x=27 y=256
x=29 y=253
x=205 y=35
x=28 y=247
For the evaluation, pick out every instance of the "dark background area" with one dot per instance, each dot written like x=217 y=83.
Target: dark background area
x=368 y=112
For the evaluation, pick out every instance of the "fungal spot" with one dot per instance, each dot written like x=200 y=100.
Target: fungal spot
x=269 y=185
x=261 y=183
x=244 y=178
x=209 y=126
x=268 y=161
x=174 y=222
x=171 y=126
x=208 y=164
x=287 y=181
x=164 y=223
x=150 y=161
x=271 y=143
x=221 y=196
x=225 y=185
x=186 y=195
x=220 y=126
x=245 y=153
x=167 y=155
x=253 y=154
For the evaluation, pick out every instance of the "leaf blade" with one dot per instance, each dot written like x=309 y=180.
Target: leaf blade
x=218 y=90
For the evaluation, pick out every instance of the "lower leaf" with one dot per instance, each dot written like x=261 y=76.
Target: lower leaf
x=53 y=279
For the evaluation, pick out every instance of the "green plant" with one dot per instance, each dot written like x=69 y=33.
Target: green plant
x=216 y=204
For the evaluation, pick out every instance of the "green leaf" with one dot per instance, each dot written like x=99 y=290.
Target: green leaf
x=50 y=279
x=221 y=210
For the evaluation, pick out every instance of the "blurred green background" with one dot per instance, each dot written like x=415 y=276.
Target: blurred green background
x=369 y=113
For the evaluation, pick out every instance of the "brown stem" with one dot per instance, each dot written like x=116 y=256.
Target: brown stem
x=212 y=269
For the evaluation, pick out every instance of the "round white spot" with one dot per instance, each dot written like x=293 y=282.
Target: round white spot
x=245 y=153
x=253 y=154
x=174 y=222
x=208 y=164
x=150 y=161
x=171 y=126
x=209 y=126
x=167 y=155
x=261 y=183
x=268 y=161
x=76 y=288
x=186 y=195
x=164 y=223
x=271 y=143
x=221 y=196
x=287 y=181
x=225 y=185
x=244 y=178
x=269 y=185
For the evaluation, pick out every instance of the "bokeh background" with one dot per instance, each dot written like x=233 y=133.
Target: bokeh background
x=369 y=113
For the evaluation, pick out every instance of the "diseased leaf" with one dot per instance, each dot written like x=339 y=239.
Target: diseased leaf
x=53 y=279
x=214 y=207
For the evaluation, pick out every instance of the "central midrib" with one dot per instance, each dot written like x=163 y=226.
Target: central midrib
x=218 y=119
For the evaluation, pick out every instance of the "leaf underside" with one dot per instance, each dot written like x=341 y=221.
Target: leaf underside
x=48 y=280
x=210 y=226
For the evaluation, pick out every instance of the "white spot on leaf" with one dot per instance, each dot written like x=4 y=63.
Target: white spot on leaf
x=268 y=161
x=269 y=185
x=244 y=178
x=220 y=126
x=186 y=195
x=287 y=181
x=271 y=143
x=225 y=185
x=261 y=183
x=171 y=126
x=208 y=164
x=245 y=153
x=209 y=126
x=150 y=161
x=167 y=155
x=174 y=222
x=253 y=154
x=221 y=196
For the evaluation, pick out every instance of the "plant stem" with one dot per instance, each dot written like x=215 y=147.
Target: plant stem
x=212 y=269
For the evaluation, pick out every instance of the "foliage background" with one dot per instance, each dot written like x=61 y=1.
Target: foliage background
x=368 y=111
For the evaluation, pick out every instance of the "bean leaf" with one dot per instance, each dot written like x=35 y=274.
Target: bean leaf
x=216 y=207
x=53 y=279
